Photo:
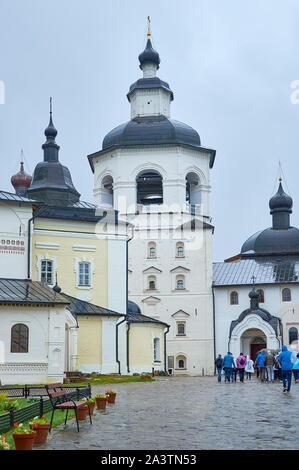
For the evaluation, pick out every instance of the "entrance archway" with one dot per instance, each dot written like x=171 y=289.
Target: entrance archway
x=252 y=341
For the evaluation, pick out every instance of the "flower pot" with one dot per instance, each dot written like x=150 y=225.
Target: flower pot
x=24 y=441
x=42 y=431
x=92 y=405
x=111 y=397
x=101 y=403
x=82 y=413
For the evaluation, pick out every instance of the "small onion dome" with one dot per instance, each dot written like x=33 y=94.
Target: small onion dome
x=50 y=131
x=149 y=55
x=21 y=181
x=253 y=294
x=280 y=201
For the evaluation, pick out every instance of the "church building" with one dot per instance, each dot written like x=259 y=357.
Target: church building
x=257 y=291
x=155 y=172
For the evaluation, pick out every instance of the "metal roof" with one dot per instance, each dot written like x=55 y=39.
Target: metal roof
x=265 y=271
x=81 y=307
x=25 y=292
x=12 y=197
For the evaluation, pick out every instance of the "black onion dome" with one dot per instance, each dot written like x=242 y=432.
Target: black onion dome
x=271 y=241
x=151 y=130
x=280 y=201
x=253 y=294
x=149 y=55
x=51 y=131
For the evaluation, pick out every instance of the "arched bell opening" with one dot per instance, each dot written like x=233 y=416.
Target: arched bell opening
x=149 y=188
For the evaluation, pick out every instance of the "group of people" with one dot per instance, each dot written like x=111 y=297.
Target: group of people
x=270 y=366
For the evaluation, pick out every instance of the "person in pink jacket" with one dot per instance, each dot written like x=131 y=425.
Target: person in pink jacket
x=241 y=363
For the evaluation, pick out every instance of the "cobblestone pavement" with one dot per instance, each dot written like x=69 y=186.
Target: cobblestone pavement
x=188 y=413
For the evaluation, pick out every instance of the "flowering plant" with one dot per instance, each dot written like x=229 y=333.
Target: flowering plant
x=36 y=421
x=21 y=429
x=4 y=444
x=10 y=404
x=101 y=395
x=110 y=392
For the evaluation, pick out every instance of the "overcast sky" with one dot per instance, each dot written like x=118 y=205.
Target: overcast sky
x=229 y=63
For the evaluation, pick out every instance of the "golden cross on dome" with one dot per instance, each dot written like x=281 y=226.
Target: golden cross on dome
x=148 y=27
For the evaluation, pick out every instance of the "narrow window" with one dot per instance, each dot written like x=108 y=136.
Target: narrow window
x=293 y=335
x=84 y=274
x=234 y=298
x=181 y=329
x=286 y=295
x=157 y=350
x=152 y=283
x=152 y=252
x=261 y=296
x=180 y=250
x=47 y=271
x=19 y=338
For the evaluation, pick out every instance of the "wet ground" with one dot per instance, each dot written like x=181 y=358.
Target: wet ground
x=194 y=413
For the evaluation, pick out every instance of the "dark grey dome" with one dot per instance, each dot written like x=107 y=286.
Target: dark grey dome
x=149 y=55
x=152 y=130
x=133 y=308
x=280 y=201
x=273 y=241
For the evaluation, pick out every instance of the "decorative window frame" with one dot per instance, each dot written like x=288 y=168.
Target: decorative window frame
x=27 y=338
x=77 y=261
x=282 y=294
x=46 y=257
x=156 y=351
x=230 y=297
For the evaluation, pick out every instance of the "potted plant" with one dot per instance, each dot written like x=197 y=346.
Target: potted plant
x=82 y=411
x=3 y=443
x=145 y=376
x=41 y=426
x=101 y=400
x=92 y=403
x=111 y=395
x=23 y=437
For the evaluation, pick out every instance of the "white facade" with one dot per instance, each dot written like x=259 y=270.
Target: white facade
x=14 y=219
x=51 y=344
x=253 y=327
x=167 y=283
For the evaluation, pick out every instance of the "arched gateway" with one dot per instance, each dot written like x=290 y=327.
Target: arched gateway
x=255 y=329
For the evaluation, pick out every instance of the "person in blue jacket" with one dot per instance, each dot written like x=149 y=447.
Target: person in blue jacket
x=286 y=359
x=260 y=361
x=228 y=366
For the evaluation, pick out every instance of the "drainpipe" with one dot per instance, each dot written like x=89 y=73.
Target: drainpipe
x=29 y=247
x=117 y=358
x=165 y=355
x=128 y=330
x=214 y=327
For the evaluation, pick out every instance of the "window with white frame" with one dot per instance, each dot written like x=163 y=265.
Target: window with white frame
x=180 y=253
x=46 y=271
x=180 y=282
x=156 y=349
x=152 y=250
x=181 y=328
x=152 y=282
x=84 y=274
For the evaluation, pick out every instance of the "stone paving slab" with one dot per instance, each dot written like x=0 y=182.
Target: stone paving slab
x=194 y=413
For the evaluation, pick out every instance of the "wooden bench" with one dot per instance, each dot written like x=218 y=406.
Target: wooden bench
x=61 y=400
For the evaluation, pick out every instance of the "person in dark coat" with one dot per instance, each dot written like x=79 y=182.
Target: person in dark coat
x=219 y=366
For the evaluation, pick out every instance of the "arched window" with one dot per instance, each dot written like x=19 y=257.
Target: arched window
x=180 y=282
x=180 y=252
x=234 y=298
x=152 y=282
x=149 y=188
x=193 y=195
x=293 y=335
x=157 y=350
x=181 y=362
x=19 y=338
x=286 y=295
x=152 y=251
x=107 y=190
x=261 y=296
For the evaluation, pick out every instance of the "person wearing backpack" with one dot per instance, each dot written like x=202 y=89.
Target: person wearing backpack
x=228 y=365
x=269 y=363
x=219 y=365
x=241 y=364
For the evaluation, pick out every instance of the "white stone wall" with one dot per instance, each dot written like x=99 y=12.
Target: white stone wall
x=14 y=242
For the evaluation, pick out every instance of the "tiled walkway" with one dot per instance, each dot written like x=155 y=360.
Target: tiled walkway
x=192 y=413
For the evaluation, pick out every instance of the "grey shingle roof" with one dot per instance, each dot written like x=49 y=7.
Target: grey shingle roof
x=12 y=197
x=265 y=271
x=25 y=291
x=81 y=307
